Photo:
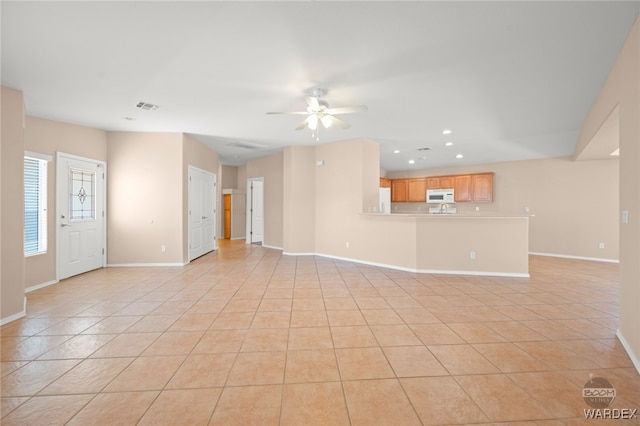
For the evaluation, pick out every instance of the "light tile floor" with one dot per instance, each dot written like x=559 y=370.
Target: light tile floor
x=247 y=336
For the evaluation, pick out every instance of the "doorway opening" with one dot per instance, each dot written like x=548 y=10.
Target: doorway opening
x=227 y=216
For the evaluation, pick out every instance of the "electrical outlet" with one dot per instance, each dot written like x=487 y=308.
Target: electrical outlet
x=601 y=245
x=472 y=255
x=163 y=248
x=527 y=209
x=347 y=244
x=477 y=209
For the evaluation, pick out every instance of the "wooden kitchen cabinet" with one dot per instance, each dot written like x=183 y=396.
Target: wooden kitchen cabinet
x=417 y=190
x=462 y=188
x=399 y=190
x=440 y=182
x=433 y=183
x=385 y=183
x=476 y=187
x=447 y=182
x=482 y=187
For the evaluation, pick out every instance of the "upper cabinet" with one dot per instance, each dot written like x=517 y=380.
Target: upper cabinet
x=417 y=190
x=462 y=187
x=399 y=189
x=385 y=183
x=440 y=182
x=482 y=185
x=476 y=187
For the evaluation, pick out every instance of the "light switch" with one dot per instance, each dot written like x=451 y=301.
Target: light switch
x=625 y=216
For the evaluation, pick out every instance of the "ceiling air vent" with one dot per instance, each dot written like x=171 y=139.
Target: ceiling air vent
x=246 y=145
x=424 y=149
x=147 y=106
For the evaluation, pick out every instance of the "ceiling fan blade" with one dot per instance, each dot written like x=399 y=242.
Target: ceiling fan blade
x=312 y=102
x=290 y=113
x=337 y=122
x=347 y=110
x=303 y=125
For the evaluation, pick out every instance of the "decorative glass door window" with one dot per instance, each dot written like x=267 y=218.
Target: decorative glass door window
x=82 y=196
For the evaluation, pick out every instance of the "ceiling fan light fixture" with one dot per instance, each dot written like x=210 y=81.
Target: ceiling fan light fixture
x=318 y=111
x=313 y=121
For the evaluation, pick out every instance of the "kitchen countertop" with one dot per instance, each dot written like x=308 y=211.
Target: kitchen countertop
x=449 y=215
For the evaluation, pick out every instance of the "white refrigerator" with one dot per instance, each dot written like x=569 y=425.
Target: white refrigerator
x=385 y=200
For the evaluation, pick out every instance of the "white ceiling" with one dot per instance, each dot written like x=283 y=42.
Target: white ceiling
x=512 y=80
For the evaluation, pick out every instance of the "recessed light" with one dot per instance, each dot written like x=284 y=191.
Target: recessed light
x=396 y=151
x=412 y=161
x=446 y=132
x=448 y=144
x=459 y=156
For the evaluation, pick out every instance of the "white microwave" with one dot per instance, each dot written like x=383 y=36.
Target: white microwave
x=440 y=196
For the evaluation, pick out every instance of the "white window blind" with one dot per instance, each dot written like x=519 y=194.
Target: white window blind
x=35 y=206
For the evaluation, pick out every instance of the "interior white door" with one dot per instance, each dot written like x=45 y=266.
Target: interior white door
x=202 y=207
x=257 y=211
x=80 y=193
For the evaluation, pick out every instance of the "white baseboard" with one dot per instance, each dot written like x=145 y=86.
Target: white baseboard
x=298 y=254
x=239 y=238
x=271 y=247
x=475 y=273
x=627 y=347
x=143 y=265
x=568 y=256
x=39 y=286
x=413 y=270
x=16 y=316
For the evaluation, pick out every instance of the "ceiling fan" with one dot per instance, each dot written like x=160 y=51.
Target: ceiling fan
x=319 y=112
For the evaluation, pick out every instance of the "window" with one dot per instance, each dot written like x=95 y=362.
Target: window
x=82 y=200
x=35 y=205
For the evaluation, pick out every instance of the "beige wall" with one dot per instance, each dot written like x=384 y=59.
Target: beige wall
x=573 y=203
x=145 y=198
x=500 y=244
x=12 y=271
x=622 y=90
x=229 y=177
x=197 y=155
x=341 y=194
x=271 y=169
x=242 y=177
x=49 y=137
x=299 y=199
x=238 y=214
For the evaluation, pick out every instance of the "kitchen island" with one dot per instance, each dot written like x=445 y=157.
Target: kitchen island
x=471 y=244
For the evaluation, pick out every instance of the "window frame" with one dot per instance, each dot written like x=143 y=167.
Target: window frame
x=35 y=186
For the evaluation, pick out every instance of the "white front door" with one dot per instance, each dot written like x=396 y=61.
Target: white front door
x=255 y=212
x=80 y=193
x=202 y=206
